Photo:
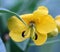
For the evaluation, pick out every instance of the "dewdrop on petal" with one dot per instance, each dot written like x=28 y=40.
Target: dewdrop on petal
x=57 y=20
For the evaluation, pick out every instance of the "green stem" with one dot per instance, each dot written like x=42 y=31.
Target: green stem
x=32 y=30
x=8 y=46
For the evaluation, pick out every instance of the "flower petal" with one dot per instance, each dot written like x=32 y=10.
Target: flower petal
x=27 y=18
x=17 y=36
x=57 y=19
x=53 y=33
x=42 y=10
x=15 y=24
x=41 y=39
x=46 y=24
x=16 y=28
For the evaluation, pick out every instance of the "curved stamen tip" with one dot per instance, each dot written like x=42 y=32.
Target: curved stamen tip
x=36 y=36
x=23 y=35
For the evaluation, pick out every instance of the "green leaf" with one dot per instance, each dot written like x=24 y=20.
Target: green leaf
x=2 y=10
x=23 y=44
x=14 y=47
x=3 y=24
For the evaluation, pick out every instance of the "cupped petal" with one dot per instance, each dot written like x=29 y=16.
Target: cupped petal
x=40 y=39
x=18 y=31
x=57 y=20
x=15 y=24
x=27 y=18
x=57 y=17
x=53 y=33
x=46 y=24
x=18 y=37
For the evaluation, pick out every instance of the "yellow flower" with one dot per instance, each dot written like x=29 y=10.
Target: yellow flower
x=57 y=19
x=39 y=23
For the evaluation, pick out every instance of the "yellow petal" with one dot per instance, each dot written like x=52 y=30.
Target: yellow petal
x=41 y=39
x=57 y=19
x=27 y=18
x=17 y=36
x=15 y=24
x=16 y=28
x=41 y=11
x=54 y=32
x=46 y=24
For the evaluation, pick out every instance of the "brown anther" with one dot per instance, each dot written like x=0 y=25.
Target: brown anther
x=23 y=35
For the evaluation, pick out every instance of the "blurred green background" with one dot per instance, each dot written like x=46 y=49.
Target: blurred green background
x=23 y=7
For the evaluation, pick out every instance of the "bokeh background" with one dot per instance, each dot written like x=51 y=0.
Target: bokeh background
x=23 y=7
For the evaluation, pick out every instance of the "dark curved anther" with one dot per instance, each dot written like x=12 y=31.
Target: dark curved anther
x=23 y=35
x=36 y=36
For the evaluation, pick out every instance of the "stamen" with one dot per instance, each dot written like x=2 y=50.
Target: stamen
x=23 y=35
x=26 y=33
x=33 y=34
x=36 y=36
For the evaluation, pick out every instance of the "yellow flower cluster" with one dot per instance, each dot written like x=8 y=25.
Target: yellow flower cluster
x=39 y=24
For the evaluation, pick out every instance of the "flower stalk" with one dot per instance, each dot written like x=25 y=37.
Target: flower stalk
x=32 y=32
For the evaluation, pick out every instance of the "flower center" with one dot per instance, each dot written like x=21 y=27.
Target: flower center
x=32 y=32
x=32 y=24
